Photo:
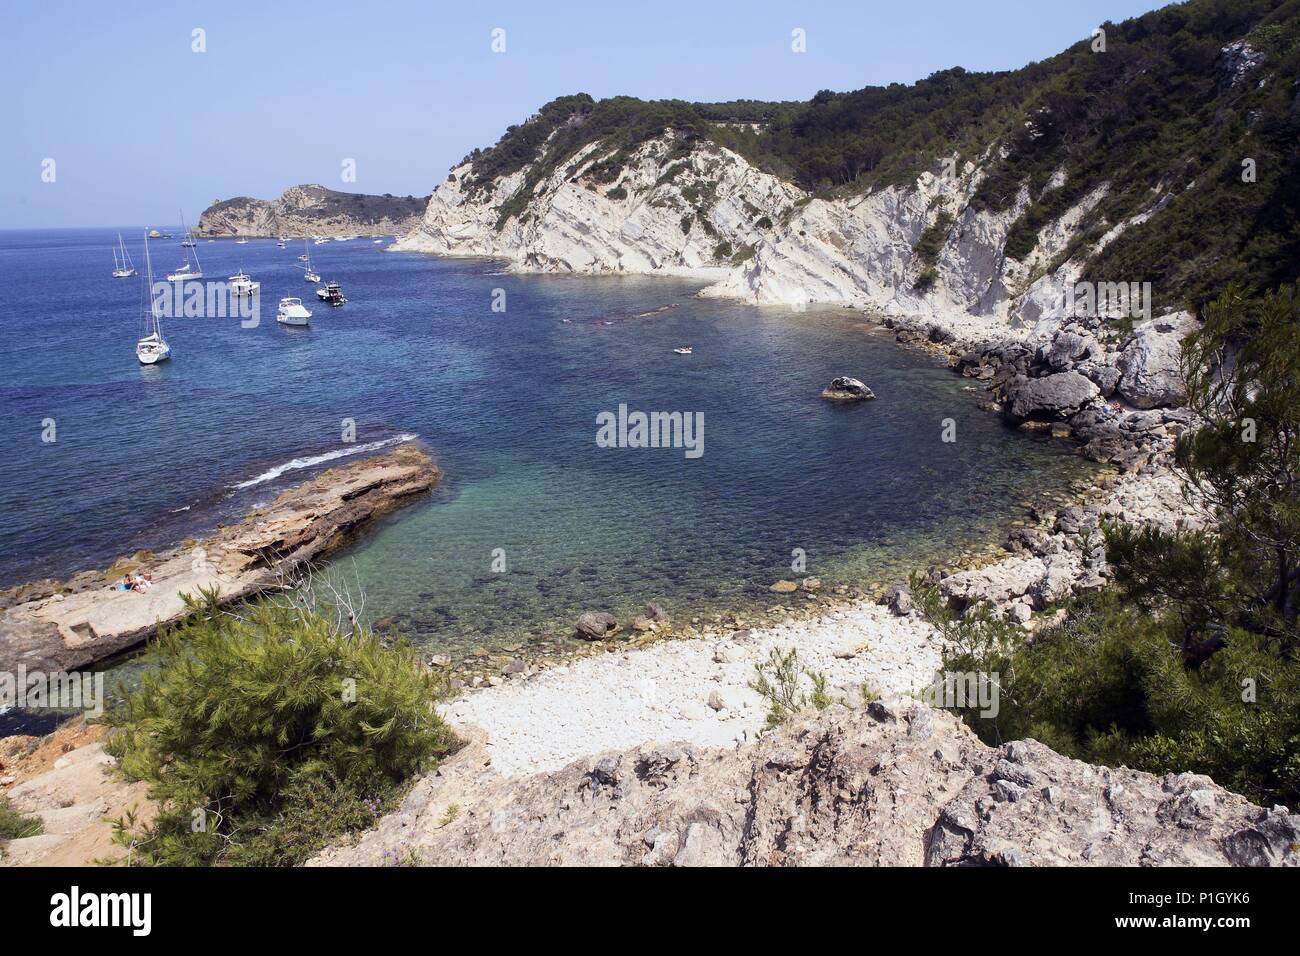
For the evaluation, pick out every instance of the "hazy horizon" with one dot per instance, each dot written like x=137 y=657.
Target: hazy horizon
x=285 y=95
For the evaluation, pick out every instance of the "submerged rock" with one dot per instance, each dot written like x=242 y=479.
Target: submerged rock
x=845 y=389
x=595 y=626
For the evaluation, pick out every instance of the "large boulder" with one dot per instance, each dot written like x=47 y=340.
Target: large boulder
x=1052 y=396
x=845 y=389
x=1150 y=365
x=595 y=626
x=1067 y=349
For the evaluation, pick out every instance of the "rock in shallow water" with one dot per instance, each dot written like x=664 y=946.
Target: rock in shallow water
x=845 y=389
x=595 y=625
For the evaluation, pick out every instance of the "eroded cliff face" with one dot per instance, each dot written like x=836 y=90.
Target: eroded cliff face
x=312 y=210
x=697 y=209
x=695 y=213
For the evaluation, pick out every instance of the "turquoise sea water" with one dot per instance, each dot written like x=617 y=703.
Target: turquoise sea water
x=507 y=404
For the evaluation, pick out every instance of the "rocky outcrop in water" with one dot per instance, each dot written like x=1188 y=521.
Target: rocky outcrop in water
x=845 y=389
x=63 y=625
x=312 y=211
x=895 y=784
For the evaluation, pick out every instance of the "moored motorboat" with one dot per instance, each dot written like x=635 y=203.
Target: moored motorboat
x=241 y=284
x=331 y=293
x=292 y=312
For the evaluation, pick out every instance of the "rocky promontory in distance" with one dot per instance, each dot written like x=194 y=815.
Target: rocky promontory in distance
x=312 y=210
x=62 y=625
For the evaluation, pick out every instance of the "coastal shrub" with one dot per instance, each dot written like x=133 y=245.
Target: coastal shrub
x=780 y=681
x=1189 y=662
x=722 y=250
x=15 y=825
x=926 y=279
x=1109 y=685
x=932 y=239
x=617 y=193
x=266 y=731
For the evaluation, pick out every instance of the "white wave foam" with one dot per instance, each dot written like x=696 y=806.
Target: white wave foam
x=298 y=463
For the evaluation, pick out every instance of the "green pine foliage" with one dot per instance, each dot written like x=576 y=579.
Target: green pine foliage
x=780 y=681
x=1189 y=663
x=1154 y=119
x=267 y=731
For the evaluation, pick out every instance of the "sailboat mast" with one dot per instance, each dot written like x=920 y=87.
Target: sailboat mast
x=148 y=289
x=193 y=246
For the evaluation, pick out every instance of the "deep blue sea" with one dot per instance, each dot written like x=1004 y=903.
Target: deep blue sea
x=507 y=404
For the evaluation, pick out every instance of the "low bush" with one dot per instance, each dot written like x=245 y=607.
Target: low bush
x=267 y=731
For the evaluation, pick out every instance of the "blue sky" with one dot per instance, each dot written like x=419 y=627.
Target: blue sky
x=140 y=126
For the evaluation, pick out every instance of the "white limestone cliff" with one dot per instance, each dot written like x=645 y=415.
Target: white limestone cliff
x=702 y=211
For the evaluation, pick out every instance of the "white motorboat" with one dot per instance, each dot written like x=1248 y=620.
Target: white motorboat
x=685 y=350
x=292 y=312
x=241 y=284
x=123 y=267
x=151 y=348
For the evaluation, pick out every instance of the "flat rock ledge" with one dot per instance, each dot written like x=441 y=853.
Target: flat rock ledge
x=892 y=784
x=63 y=625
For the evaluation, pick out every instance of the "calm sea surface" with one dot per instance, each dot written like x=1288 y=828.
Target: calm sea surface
x=507 y=404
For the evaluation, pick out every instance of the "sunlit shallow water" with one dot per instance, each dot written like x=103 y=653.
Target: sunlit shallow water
x=507 y=403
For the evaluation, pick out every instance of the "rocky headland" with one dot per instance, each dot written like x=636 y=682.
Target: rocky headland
x=311 y=210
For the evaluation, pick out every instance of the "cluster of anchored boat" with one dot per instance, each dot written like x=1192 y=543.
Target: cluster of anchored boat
x=152 y=348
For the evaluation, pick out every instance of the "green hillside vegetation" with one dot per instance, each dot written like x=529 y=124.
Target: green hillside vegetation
x=1189 y=663
x=1155 y=117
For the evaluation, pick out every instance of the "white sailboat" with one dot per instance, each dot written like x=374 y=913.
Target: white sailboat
x=307 y=272
x=187 y=271
x=123 y=267
x=241 y=241
x=292 y=312
x=151 y=348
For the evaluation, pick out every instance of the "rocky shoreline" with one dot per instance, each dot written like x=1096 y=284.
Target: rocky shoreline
x=54 y=625
x=894 y=783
